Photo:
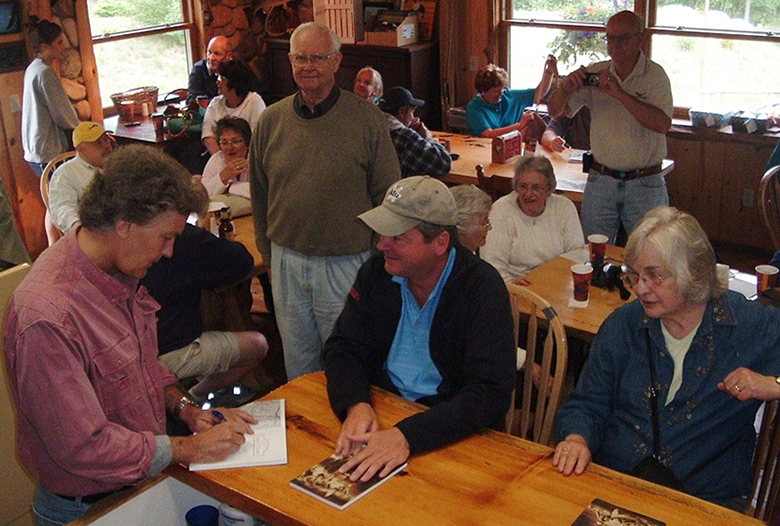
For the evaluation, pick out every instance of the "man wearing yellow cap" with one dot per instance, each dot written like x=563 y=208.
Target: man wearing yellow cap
x=69 y=180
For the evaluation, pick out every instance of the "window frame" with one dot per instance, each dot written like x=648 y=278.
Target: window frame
x=189 y=24
x=645 y=8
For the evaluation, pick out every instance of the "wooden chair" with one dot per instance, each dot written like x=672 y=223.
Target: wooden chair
x=765 y=502
x=769 y=203
x=15 y=500
x=536 y=420
x=52 y=233
x=494 y=186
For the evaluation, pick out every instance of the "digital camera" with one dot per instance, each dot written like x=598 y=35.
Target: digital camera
x=592 y=79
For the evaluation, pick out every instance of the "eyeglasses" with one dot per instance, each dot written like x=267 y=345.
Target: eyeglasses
x=535 y=188
x=231 y=142
x=651 y=279
x=620 y=39
x=316 y=59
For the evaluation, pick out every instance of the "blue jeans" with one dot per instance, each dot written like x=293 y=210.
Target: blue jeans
x=51 y=510
x=37 y=168
x=309 y=294
x=607 y=202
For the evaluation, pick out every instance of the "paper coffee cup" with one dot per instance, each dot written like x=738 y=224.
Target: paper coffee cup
x=597 y=243
x=581 y=275
x=767 y=277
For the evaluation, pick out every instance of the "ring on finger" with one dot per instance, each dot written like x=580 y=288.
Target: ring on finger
x=737 y=389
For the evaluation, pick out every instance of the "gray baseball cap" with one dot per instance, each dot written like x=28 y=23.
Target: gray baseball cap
x=409 y=201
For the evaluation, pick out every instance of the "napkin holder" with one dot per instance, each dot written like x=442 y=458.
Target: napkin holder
x=507 y=146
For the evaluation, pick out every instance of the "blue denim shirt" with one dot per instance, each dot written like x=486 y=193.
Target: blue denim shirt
x=707 y=437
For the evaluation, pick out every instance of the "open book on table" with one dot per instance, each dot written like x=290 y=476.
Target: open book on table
x=267 y=447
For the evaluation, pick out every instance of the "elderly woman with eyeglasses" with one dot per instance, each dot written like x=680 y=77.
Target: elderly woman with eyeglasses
x=473 y=210
x=714 y=355
x=226 y=171
x=531 y=225
x=368 y=84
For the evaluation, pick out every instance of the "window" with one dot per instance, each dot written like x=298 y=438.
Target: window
x=140 y=43
x=719 y=54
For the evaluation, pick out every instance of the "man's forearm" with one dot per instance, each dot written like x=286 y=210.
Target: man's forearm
x=649 y=116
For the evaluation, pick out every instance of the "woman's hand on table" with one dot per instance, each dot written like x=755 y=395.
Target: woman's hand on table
x=522 y=279
x=233 y=169
x=744 y=384
x=572 y=455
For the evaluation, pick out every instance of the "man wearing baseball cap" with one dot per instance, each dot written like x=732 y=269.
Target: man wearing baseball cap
x=69 y=180
x=427 y=320
x=417 y=152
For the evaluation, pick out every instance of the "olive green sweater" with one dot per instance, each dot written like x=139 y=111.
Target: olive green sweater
x=311 y=178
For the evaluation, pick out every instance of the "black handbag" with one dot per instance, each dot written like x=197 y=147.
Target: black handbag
x=651 y=468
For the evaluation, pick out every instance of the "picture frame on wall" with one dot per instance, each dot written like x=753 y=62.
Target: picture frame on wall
x=371 y=9
x=10 y=17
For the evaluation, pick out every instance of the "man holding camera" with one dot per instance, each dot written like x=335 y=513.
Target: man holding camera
x=630 y=99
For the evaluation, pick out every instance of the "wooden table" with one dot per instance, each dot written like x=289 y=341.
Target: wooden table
x=491 y=478
x=478 y=150
x=245 y=234
x=143 y=133
x=552 y=281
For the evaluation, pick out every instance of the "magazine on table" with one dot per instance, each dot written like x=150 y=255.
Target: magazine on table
x=600 y=512
x=324 y=482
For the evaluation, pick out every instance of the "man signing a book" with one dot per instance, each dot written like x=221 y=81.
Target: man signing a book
x=427 y=320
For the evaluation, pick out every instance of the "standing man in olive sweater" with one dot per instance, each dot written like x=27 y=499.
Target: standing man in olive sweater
x=318 y=159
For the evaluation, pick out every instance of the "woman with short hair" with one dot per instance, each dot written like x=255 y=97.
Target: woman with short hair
x=473 y=211
x=226 y=171
x=368 y=84
x=497 y=110
x=531 y=225
x=235 y=99
x=708 y=356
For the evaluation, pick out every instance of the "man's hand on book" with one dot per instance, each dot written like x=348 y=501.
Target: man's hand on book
x=384 y=451
x=361 y=419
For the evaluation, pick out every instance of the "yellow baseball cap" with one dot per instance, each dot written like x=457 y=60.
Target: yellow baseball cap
x=87 y=132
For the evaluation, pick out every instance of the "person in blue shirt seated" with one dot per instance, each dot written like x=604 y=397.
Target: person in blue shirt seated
x=709 y=355
x=497 y=110
x=425 y=319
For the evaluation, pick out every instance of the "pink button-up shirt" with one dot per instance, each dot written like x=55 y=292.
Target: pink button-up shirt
x=81 y=355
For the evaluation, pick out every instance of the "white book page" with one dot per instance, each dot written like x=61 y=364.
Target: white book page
x=267 y=447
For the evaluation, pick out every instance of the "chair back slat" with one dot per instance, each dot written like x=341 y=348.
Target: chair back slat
x=536 y=418
x=765 y=502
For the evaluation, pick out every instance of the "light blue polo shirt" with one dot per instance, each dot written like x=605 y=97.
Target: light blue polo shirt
x=481 y=115
x=409 y=363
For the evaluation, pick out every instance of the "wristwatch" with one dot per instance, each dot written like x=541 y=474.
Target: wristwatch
x=182 y=403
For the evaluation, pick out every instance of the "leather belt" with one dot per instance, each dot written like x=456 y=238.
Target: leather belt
x=625 y=176
x=89 y=499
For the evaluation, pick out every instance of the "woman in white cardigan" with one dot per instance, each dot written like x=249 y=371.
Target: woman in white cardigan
x=531 y=225
x=235 y=99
